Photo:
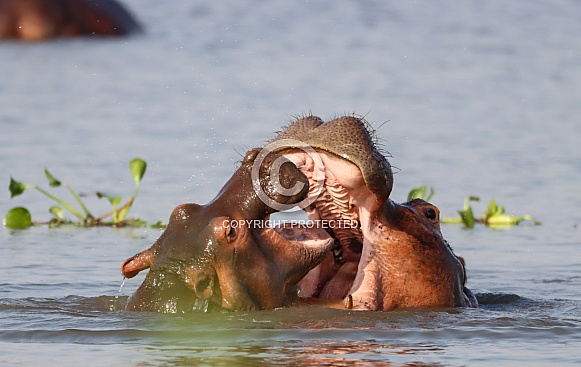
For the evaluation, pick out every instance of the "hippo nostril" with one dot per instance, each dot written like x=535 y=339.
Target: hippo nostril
x=430 y=214
x=203 y=288
x=203 y=285
x=230 y=233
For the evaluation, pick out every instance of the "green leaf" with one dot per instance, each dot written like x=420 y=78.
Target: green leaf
x=471 y=198
x=58 y=212
x=417 y=193
x=114 y=200
x=432 y=192
x=451 y=220
x=491 y=209
x=54 y=223
x=503 y=219
x=18 y=218
x=421 y=193
x=52 y=181
x=137 y=167
x=467 y=214
x=509 y=220
x=528 y=217
x=159 y=224
x=16 y=188
x=467 y=217
x=123 y=212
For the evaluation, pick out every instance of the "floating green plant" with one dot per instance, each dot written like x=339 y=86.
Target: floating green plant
x=494 y=216
x=20 y=217
x=421 y=193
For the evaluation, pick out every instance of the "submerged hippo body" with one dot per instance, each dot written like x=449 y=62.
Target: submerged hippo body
x=396 y=256
x=36 y=20
x=220 y=256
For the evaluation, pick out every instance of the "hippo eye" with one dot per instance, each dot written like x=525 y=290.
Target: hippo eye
x=430 y=214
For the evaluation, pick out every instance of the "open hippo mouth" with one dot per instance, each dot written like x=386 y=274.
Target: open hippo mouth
x=386 y=255
x=349 y=179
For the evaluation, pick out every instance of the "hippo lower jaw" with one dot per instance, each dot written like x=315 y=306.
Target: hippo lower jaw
x=290 y=250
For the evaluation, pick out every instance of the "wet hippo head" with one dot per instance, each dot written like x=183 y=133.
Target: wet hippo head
x=391 y=255
x=407 y=263
x=224 y=254
x=35 y=20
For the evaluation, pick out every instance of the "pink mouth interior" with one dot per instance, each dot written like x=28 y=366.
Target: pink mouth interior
x=340 y=201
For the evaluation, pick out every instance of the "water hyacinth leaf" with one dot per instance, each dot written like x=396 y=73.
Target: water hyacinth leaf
x=432 y=192
x=159 y=224
x=491 y=209
x=504 y=219
x=467 y=214
x=137 y=167
x=528 y=217
x=417 y=193
x=509 y=220
x=467 y=217
x=470 y=198
x=451 y=220
x=114 y=200
x=52 y=181
x=123 y=212
x=58 y=212
x=16 y=188
x=18 y=218
x=421 y=193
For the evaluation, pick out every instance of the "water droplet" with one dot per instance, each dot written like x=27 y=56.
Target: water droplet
x=201 y=305
x=122 y=284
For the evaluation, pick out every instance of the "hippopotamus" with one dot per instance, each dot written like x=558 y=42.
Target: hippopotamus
x=224 y=255
x=365 y=252
x=395 y=256
x=35 y=20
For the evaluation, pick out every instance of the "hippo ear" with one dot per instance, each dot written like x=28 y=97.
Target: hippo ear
x=132 y=266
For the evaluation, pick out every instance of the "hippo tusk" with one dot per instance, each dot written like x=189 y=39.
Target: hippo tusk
x=348 y=301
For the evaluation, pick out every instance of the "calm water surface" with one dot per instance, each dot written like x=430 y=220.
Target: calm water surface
x=472 y=98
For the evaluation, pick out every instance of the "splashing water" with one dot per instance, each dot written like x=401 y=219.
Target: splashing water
x=201 y=305
x=121 y=286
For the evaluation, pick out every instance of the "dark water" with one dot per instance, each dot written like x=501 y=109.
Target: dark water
x=472 y=98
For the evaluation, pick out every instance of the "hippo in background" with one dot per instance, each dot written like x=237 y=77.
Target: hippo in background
x=37 y=20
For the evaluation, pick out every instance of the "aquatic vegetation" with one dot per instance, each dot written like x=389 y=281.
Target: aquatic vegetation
x=494 y=216
x=20 y=217
x=421 y=193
